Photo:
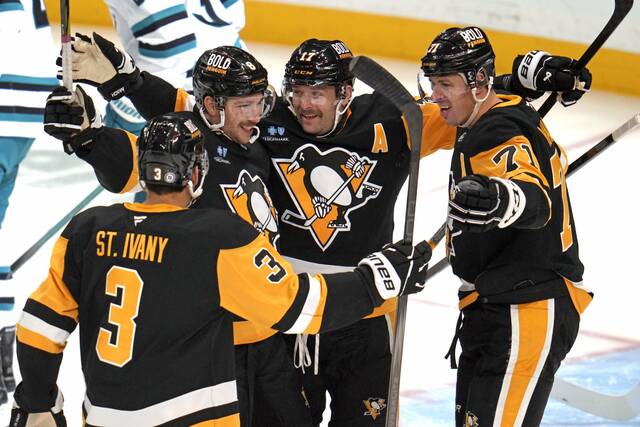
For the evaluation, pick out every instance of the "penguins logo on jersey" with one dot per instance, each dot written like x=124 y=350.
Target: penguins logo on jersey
x=325 y=187
x=249 y=198
x=374 y=406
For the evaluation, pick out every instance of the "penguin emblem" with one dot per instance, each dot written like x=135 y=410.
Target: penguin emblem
x=249 y=198
x=374 y=406
x=325 y=187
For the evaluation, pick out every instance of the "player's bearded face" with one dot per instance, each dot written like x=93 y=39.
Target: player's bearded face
x=242 y=114
x=453 y=96
x=315 y=107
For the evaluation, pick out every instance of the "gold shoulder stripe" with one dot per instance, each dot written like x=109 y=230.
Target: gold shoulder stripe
x=133 y=178
x=53 y=292
x=182 y=100
x=507 y=100
x=436 y=133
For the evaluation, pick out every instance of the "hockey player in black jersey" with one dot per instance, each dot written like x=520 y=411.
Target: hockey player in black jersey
x=511 y=236
x=153 y=286
x=231 y=95
x=338 y=164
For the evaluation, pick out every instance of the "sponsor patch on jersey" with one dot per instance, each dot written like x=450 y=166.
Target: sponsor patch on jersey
x=221 y=154
x=325 y=186
x=275 y=134
x=249 y=198
x=374 y=406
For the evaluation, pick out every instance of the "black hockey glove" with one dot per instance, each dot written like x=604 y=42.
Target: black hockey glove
x=97 y=62
x=537 y=72
x=479 y=203
x=54 y=417
x=398 y=269
x=72 y=118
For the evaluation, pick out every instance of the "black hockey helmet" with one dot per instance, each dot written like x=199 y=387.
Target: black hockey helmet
x=465 y=51
x=227 y=71
x=319 y=62
x=169 y=146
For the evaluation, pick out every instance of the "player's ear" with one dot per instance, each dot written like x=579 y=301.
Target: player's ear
x=348 y=93
x=211 y=109
x=195 y=174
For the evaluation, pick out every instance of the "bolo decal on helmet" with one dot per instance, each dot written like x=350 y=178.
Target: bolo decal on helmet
x=228 y=71
x=169 y=147
x=319 y=63
x=464 y=51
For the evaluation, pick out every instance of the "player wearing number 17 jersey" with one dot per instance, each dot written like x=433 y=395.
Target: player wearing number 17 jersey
x=153 y=287
x=511 y=239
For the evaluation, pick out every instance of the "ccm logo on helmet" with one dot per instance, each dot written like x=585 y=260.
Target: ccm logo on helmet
x=471 y=34
x=383 y=272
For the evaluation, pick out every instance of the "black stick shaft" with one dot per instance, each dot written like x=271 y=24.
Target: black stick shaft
x=620 y=10
x=382 y=81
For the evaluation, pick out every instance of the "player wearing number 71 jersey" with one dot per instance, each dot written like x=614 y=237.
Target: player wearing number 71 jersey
x=511 y=238
x=153 y=287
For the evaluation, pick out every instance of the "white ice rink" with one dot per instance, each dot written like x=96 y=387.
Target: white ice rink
x=605 y=198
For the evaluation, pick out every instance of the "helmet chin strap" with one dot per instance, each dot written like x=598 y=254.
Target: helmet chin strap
x=217 y=127
x=478 y=103
x=338 y=116
x=255 y=135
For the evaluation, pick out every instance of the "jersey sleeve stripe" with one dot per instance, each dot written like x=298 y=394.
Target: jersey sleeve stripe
x=53 y=333
x=10 y=5
x=228 y=3
x=30 y=83
x=160 y=23
x=165 y=50
x=46 y=314
x=36 y=340
x=164 y=412
x=309 y=309
x=296 y=306
x=21 y=114
x=153 y=22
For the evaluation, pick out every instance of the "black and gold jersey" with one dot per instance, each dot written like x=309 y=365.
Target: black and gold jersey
x=359 y=200
x=152 y=288
x=510 y=141
x=237 y=180
x=336 y=195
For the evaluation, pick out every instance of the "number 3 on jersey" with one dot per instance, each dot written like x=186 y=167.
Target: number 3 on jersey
x=118 y=352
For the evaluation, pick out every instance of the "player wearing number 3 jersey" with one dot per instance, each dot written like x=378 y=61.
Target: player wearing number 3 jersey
x=153 y=287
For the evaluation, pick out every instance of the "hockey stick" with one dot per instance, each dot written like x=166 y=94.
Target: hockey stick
x=306 y=222
x=6 y=273
x=574 y=166
x=620 y=408
x=65 y=42
x=620 y=10
x=382 y=81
